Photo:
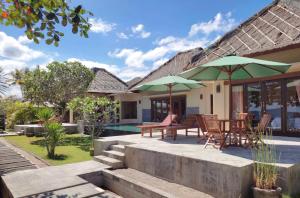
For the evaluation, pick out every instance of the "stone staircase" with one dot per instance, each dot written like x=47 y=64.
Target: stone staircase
x=133 y=183
x=113 y=157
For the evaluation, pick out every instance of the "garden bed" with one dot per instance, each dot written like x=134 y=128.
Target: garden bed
x=74 y=148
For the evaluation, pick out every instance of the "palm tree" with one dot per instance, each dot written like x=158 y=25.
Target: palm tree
x=3 y=82
x=17 y=77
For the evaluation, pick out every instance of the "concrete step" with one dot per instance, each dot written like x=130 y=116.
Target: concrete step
x=115 y=154
x=107 y=194
x=113 y=163
x=118 y=147
x=133 y=183
x=85 y=190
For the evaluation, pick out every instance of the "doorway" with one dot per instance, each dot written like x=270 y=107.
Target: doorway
x=160 y=108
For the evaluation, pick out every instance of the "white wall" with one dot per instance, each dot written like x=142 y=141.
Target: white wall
x=131 y=97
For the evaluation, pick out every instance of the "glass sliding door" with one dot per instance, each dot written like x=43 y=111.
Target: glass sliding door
x=273 y=103
x=293 y=105
x=237 y=101
x=160 y=108
x=254 y=101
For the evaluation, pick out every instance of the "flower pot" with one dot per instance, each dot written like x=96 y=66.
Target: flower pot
x=267 y=193
x=91 y=151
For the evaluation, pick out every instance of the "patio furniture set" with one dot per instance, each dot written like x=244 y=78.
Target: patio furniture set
x=218 y=132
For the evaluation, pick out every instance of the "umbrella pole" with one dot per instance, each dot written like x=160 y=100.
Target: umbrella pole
x=170 y=101
x=230 y=97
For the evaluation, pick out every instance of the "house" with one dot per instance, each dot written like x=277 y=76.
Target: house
x=106 y=84
x=271 y=34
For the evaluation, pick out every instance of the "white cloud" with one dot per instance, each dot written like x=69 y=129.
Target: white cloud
x=90 y=64
x=10 y=65
x=137 y=58
x=12 y=48
x=139 y=30
x=130 y=73
x=122 y=35
x=100 y=26
x=24 y=40
x=220 y=23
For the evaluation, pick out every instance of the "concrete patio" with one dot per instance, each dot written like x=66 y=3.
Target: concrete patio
x=225 y=173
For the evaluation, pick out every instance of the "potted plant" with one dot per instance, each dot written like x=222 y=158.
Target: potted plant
x=265 y=170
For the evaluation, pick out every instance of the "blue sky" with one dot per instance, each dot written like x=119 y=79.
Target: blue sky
x=132 y=37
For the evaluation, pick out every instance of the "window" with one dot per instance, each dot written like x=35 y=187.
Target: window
x=129 y=110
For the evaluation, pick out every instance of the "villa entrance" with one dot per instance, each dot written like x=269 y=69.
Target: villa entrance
x=160 y=107
x=280 y=98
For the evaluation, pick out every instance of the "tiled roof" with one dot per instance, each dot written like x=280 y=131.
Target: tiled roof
x=107 y=83
x=275 y=27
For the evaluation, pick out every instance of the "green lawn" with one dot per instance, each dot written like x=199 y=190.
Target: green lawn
x=74 y=148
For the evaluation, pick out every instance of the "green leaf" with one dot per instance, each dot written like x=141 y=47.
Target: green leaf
x=77 y=9
x=49 y=41
x=75 y=29
x=64 y=21
x=43 y=26
x=36 y=40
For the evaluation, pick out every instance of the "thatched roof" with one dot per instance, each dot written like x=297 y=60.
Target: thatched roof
x=106 y=83
x=133 y=81
x=275 y=27
x=173 y=66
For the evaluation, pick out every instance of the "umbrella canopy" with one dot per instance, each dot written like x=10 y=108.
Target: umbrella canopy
x=162 y=84
x=239 y=67
x=235 y=68
x=170 y=83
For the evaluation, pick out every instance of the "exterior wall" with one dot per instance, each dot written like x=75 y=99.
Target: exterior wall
x=193 y=102
x=131 y=97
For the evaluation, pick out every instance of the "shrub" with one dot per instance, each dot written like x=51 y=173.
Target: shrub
x=45 y=114
x=17 y=112
x=265 y=170
x=53 y=136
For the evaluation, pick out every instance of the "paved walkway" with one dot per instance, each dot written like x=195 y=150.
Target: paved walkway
x=71 y=180
x=11 y=160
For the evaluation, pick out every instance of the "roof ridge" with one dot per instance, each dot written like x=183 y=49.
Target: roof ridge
x=165 y=64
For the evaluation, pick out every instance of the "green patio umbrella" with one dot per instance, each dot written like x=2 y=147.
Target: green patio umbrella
x=170 y=84
x=235 y=68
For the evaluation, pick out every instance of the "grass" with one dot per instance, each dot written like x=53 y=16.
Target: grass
x=74 y=148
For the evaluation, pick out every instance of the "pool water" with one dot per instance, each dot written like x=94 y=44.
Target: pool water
x=120 y=129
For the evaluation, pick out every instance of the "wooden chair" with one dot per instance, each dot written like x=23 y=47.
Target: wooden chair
x=201 y=125
x=214 y=132
x=241 y=126
x=149 y=127
x=254 y=135
x=189 y=123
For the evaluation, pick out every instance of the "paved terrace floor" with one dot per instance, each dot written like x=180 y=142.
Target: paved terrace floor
x=288 y=148
x=11 y=160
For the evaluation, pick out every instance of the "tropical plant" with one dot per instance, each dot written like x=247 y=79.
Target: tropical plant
x=57 y=85
x=265 y=157
x=53 y=136
x=45 y=114
x=17 y=112
x=40 y=19
x=96 y=112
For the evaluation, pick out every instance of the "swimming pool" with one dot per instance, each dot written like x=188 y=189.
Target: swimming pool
x=121 y=129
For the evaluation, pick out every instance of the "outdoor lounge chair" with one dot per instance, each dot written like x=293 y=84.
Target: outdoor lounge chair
x=149 y=127
x=214 y=132
x=188 y=123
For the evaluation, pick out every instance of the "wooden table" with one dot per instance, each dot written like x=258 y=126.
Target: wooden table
x=235 y=127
